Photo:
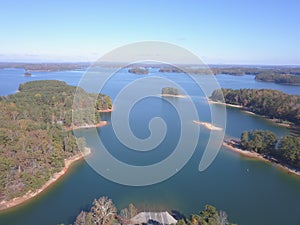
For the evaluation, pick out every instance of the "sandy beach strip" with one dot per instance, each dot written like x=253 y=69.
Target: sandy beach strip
x=174 y=96
x=102 y=123
x=207 y=125
x=223 y=103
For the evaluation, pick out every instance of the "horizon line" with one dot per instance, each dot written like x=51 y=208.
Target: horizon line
x=112 y=62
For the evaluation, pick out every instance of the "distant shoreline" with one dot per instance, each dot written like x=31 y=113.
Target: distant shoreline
x=229 y=145
x=7 y=204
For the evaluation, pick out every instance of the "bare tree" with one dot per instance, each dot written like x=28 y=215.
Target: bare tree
x=103 y=211
x=81 y=218
x=132 y=210
x=223 y=218
x=124 y=216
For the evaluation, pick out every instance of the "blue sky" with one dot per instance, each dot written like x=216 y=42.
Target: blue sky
x=227 y=32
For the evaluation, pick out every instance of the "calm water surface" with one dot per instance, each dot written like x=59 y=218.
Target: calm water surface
x=250 y=191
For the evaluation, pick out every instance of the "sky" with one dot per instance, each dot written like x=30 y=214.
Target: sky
x=217 y=31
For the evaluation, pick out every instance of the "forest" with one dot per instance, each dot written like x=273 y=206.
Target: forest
x=264 y=142
x=271 y=103
x=36 y=134
x=104 y=212
x=278 y=78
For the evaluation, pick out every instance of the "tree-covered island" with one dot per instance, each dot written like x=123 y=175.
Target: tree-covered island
x=138 y=70
x=170 y=91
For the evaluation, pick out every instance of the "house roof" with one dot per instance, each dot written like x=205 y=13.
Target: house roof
x=163 y=218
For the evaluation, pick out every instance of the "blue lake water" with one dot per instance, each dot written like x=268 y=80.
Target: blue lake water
x=250 y=191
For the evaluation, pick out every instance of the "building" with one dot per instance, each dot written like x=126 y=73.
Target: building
x=163 y=218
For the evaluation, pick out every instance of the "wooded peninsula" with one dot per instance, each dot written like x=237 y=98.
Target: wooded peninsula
x=283 y=151
x=275 y=105
x=36 y=136
x=271 y=103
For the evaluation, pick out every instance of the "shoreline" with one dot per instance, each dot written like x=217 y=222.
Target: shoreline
x=223 y=103
x=102 y=123
x=276 y=121
x=174 y=96
x=207 y=125
x=287 y=125
x=105 y=110
x=255 y=155
x=7 y=204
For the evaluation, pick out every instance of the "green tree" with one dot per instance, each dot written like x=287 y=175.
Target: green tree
x=289 y=150
x=181 y=222
x=244 y=140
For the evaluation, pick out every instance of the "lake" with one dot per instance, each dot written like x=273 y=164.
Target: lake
x=250 y=191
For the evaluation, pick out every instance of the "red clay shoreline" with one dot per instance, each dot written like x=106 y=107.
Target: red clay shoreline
x=102 y=123
x=7 y=204
x=105 y=110
x=255 y=155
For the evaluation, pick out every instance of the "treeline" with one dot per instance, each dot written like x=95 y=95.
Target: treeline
x=45 y=67
x=208 y=216
x=272 y=103
x=233 y=70
x=279 y=78
x=286 y=149
x=34 y=135
x=104 y=212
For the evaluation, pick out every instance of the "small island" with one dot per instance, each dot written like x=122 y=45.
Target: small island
x=170 y=92
x=139 y=70
x=27 y=74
